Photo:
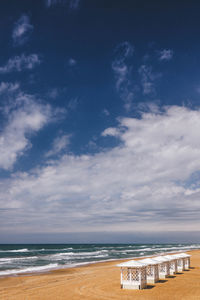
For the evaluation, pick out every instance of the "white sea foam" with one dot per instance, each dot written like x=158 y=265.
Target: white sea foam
x=163 y=248
x=87 y=253
x=138 y=250
x=60 y=254
x=70 y=248
x=16 y=250
x=79 y=255
x=92 y=253
x=29 y=270
x=49 y=249
x=11 y=259
x=20 y=250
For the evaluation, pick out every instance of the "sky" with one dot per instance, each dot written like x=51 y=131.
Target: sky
x=99 y=120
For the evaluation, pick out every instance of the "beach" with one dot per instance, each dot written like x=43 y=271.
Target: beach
x=99 y=281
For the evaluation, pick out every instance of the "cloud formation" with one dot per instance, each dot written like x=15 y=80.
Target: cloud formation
x=25 y=116
x=72 y=62
x=141 y=183
x=166 y=55
x=22 y=31
x=73 y=4
x=50 y=3
x=20 y=63
x=8 y=87
x=60 y=143
x=122 y=71
x=147 y=79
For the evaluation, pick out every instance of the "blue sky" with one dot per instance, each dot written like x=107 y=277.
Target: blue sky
x=99 y=115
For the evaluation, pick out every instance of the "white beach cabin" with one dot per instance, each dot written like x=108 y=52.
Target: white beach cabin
x=133 y=275
x=172 y=264
x=186 y=260
x=180 y=262
x=163 y=266
x=152 y=270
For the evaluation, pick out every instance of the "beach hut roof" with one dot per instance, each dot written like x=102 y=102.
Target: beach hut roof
x=169 y=257
x=160 y=259
x=177 y=255
x=149 y=261
x=182 y=255
x=132 y=264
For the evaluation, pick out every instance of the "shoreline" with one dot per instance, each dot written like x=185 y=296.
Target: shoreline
x=99 y=281
x=85 y=264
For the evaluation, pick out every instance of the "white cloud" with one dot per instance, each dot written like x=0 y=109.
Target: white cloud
x=142 y=184
x=72 y=62
x=106 y=112
x=147 y=79
x=111 y=131
x=73 y=4
x=50 y=3
x=22 y=30
x=72 y=104
x=166 y=55
x=20 y=63
x=53 y=93
x=8 y=87
x=59 y=144
x=24 y=117
x=122 y=71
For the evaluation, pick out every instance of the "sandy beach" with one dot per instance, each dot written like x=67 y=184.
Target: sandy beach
x=99 y=281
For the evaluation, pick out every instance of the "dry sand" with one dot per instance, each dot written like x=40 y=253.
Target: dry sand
x=99 y=281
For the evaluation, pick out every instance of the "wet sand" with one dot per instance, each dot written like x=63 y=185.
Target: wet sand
x=99 y=281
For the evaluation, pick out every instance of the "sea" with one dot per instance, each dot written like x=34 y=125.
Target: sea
x=27 y=258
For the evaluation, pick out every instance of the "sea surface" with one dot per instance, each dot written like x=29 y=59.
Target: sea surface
x=27 y=258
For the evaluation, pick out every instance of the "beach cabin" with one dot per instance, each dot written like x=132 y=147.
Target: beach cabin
x=180 y=262
x=163 y=266
x=172 y=264
x=133 y=275
x=152 y=270
x=186 y=259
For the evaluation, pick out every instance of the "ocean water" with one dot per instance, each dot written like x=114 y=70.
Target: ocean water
x=26 y=258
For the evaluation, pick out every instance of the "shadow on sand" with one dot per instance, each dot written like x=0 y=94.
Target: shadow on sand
x=162 y=281
x=149 y=287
